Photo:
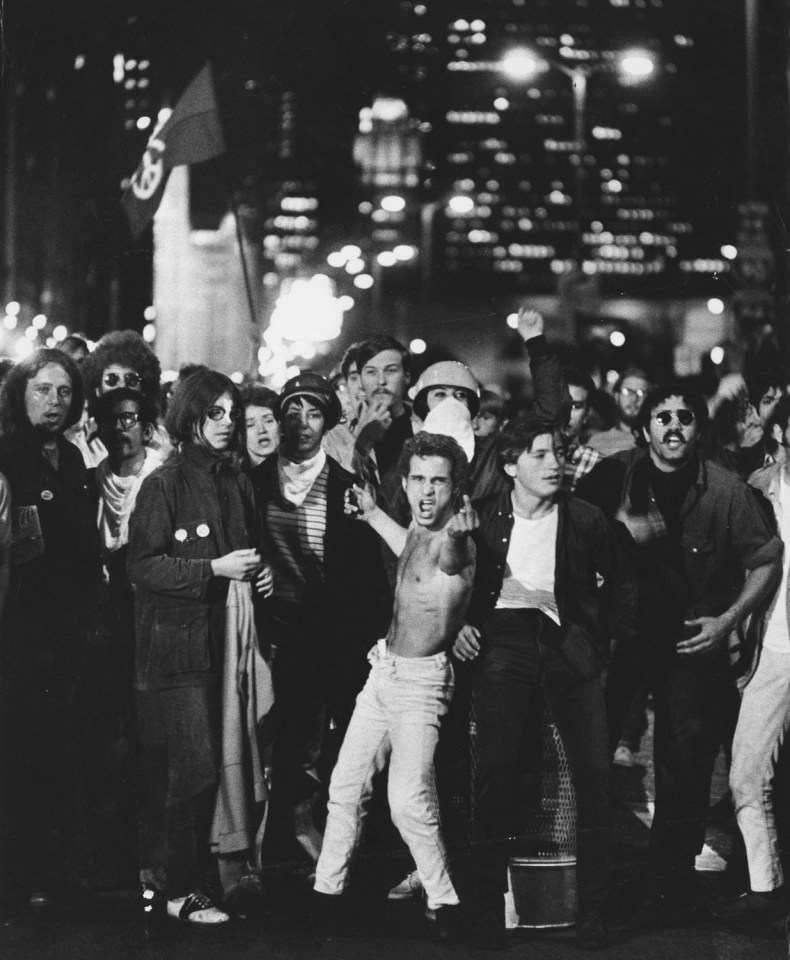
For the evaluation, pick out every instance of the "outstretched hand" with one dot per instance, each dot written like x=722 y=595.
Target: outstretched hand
x=464 y=522
x=530 y=323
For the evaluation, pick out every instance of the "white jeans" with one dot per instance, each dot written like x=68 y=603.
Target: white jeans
x=762 y=722
x=397 y=717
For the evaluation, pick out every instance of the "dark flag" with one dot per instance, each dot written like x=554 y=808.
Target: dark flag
x=191 y=134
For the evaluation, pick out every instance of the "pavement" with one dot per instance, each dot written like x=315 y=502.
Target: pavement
x=86 y=924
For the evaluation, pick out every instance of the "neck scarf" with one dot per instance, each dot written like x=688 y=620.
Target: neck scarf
x=117 y=499
x=296 y=479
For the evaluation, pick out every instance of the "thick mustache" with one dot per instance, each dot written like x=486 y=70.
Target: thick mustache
x=673 y=433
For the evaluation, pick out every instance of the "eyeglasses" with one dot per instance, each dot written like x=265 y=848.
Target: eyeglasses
x=126 y=420
x=684 y=417
x=217 y=413
x=131 y=380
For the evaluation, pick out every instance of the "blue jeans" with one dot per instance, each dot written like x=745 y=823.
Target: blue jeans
x=520 y=655
x=397 y=718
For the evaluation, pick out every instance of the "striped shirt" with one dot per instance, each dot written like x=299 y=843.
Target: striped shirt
x=294 y=542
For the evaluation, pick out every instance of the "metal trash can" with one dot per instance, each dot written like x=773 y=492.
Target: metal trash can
x=543 y=865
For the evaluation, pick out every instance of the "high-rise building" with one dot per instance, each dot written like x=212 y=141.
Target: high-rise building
x=615 y=182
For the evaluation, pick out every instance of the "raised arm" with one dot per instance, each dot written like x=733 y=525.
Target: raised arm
x=551 y=400
x=360 y=503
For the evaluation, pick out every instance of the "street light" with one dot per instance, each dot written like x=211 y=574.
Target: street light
x=523 y=64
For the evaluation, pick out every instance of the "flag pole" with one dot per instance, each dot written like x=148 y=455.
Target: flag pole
x=244 y=268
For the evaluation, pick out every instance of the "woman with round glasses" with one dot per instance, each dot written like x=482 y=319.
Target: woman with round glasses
x=191 y=533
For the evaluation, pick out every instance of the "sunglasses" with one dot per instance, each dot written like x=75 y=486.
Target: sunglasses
x=217 y=413
x=131 y=380
x=684 y=417
x=126 y=420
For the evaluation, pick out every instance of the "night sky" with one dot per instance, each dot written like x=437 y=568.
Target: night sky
x=72 y=154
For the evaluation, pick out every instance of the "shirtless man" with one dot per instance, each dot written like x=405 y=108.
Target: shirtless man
x=399 y=711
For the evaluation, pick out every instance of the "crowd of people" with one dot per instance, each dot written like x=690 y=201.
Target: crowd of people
x=226 y=610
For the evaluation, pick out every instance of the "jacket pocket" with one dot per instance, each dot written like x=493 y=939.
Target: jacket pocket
x=180 y=642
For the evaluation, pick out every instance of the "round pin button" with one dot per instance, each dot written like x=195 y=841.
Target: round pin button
x=47 y=495
x=202 y=530
x=180 y=534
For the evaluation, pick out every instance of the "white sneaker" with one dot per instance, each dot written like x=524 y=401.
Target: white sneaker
x=624 y=756
x=196 y=908
x=410 y=888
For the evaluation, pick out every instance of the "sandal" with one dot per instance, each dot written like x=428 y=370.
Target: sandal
x=196 y=908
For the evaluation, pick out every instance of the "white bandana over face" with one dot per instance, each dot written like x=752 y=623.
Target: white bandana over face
x=451 y=418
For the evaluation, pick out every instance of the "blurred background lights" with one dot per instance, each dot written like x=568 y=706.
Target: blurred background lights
x=418 y=345
x=501 y=103
x=520 y=64
x=39 y=321
x=393 y=203
x=717 y=355
x=364 y=281
x=387 y=258
x=23 y=348
x=357 y=265
x=9 y=321
x=336 y=259
x=149 y=313
x=31 y=333
x=405 y=252
x=350 y=251
x=512 y=321
x=637 y=63
x=60 y=332
x=12 y=308
x=237 y=376
x=149 y=333
x=729 y=252
x=346 y=302
x=716 y=306
x=617 y=338
x=461 y=204
x=143 y=123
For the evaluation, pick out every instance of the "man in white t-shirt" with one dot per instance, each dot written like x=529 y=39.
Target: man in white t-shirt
x=535 y=622
x=764 y=717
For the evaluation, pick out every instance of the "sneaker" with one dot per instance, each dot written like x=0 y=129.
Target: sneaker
x=591 y=932
x=753 y=909
x=624 y=756
x=196 y=908
x=410 y=888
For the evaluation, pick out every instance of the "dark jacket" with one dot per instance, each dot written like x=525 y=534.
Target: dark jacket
x=723 y=533
x=193 y=509
x=586 y=547
x=356 y=604
x=53 y=586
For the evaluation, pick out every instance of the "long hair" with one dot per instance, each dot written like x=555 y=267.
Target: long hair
x=15 y=425
x=127 y=348
x=190 y=402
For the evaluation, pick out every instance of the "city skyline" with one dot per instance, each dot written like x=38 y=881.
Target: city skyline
x=302 y=72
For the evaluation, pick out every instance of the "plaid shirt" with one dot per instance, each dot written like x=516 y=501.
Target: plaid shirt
x=579 y=459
